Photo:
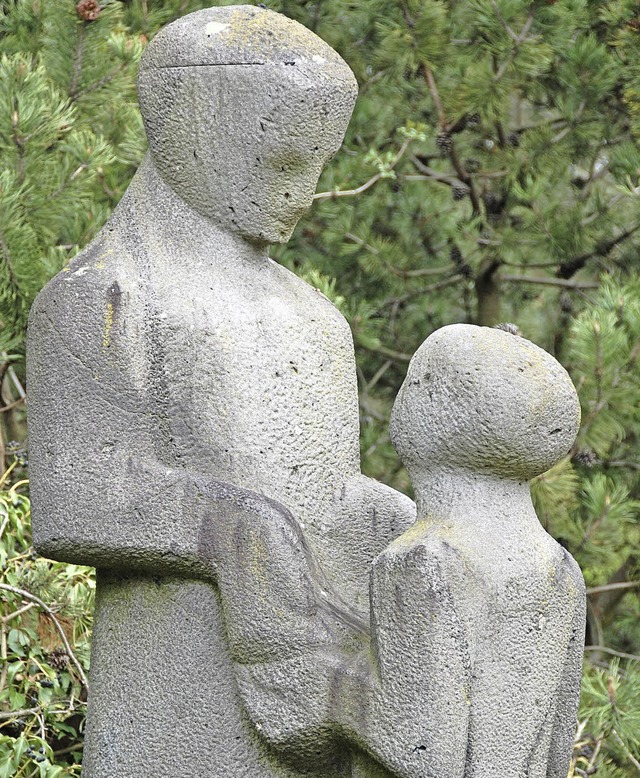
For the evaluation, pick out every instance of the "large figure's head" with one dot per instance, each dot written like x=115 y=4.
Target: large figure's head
x=484 y=400
x=242 y=108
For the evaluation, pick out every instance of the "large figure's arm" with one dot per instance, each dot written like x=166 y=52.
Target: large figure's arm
x=564 y=725
x=409 y=705
x=99 y=430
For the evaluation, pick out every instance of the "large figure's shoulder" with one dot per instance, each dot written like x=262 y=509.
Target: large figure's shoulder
x=97 y=277
x=87 y=325
x=312 y=298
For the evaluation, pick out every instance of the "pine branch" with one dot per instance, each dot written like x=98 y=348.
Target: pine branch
x=394 y=301
x=6 y=256
x=566 y=284
x=572 y=266
x=101 y=82
x=76 y=71
x=427 y=271
x=368 y=184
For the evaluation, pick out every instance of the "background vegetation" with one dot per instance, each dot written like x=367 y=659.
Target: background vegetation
x=491 y=172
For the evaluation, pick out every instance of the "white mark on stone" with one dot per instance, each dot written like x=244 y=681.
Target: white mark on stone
x=213 y=28
x=318 y=58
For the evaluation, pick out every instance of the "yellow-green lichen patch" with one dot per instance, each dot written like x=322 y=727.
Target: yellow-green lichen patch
x=108 y=325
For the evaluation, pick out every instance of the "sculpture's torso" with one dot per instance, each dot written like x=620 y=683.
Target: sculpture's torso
x=259 y=380
x=248 y=376
x=517 y=620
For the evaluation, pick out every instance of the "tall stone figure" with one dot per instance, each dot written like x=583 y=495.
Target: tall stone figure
x=263 y=609
x=173 y=358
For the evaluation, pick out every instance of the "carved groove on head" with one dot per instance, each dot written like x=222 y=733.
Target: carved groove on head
x=243 y=107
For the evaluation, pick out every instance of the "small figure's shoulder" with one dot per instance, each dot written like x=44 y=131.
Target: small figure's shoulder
x=422 y=548
x=572 y=572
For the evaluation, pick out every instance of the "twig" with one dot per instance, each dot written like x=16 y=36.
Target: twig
x=419 y=292
x=16 y=382
x=630 y=756
x=564 y=132
x=435 y=95
x=3 y=655
x=52 y=616
x=77 y=63
x=14 y=714
x=505 y=24
x=398 y=356
x=12 y=405
x=431 y=173
x=612 y=586
x=613 y=652
x=101 y=82
x=368 y=184
x=69 y=180
x=378 y=375
x=518 y=40
x=619 y=463
x=571 y=266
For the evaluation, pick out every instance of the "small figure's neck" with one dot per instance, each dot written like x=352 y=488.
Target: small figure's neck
x=185 y=238
x=472 y=500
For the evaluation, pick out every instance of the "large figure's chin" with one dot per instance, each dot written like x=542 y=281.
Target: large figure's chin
x=276 y=232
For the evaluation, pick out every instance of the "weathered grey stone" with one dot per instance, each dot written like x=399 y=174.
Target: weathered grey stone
x=489 y=610
x=194 y=435
x=172 y=360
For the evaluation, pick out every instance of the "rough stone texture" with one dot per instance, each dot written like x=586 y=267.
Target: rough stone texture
x=485 y=608
x=173 y=359
x=194 y=435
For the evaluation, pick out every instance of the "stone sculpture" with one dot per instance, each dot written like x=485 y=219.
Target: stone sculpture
x=194 y=435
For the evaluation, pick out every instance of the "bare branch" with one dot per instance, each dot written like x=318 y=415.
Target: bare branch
x=28 y=596
x=435 y=95
x=368 y=184
x=613 y=652
x=612 y=586
x=565 y=283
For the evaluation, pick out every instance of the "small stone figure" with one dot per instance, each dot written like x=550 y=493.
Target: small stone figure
x=486 y=609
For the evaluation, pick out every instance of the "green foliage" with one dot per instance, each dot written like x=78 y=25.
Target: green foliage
x=609 y=730
x=42 y=689
x=491 y=172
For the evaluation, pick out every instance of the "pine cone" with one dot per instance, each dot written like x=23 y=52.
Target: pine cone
x=444 y=142
x=459 y=192
x=507 y=326
x=89 y=10
x=458 y=260
x=585 y=457
x=513 y=139
x=58 y=659
x=472 y=165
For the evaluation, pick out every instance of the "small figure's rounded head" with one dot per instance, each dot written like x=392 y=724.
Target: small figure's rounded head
x=243 y=108
x=485 y=400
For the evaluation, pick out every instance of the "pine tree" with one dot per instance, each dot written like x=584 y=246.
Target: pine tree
x=490 y=173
